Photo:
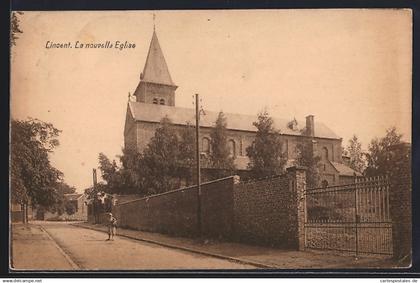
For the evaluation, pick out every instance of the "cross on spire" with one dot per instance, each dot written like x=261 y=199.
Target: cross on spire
x=154 y=18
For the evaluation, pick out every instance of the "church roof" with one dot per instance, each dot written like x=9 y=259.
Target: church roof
x=182 y=116
x=155 y=70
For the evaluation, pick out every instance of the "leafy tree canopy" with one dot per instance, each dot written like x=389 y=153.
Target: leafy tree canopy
x=118 y=180
x=70 y=207
x=220 y=155
x=60 y=204
x=187 y=153
x=307 y=157
x=161 y=159
x=169 y=157
x=265 y=153
x=354 y=151
x=32 y=176
x=379 y=157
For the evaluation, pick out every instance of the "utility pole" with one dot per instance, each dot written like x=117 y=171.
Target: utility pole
x=197 y=140
x=95 y=201
x=94 y=178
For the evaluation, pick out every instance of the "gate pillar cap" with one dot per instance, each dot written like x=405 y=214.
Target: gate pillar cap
x=296 y=168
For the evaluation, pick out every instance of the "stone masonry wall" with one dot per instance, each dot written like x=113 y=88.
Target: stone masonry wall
x=172 y=213
x=217 y=208
x=271 y=211
x=263 y=212
x=175 y=212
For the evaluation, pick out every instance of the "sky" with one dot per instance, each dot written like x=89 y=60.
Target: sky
x=351 y=69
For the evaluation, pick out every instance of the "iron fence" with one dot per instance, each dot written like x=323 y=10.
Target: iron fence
x=353 y=217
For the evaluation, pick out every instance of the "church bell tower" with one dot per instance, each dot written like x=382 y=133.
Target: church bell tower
x=156 y=85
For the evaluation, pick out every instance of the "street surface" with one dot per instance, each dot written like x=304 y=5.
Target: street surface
x=33 y=249
x=85 y=249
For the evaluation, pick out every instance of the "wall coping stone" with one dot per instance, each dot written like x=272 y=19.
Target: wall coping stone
x=176 y=190
x=296 y=167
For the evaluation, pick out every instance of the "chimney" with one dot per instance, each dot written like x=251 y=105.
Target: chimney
x=310 y=125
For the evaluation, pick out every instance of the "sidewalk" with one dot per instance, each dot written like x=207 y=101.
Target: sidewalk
x=261 y=257
x=34 y=249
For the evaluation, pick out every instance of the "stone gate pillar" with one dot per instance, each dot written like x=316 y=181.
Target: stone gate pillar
x=297 y=185
x=400 y=201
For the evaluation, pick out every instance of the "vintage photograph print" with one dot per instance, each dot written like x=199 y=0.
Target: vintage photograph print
x=210 y=139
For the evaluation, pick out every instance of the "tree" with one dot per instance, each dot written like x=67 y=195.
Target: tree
x=354 y=151
x=119 y=180
x=131 y=172
x=160 y=160
x=265 y=153
x=307 y=157
x=187 y=153
x=151 y=171
x=108 y=168
x=33 y=178
x=220 y=157
x=14 y=27
x=379 y=157
x=70 y=207
x=59 y=205
x=92 y=192
x=110 y=173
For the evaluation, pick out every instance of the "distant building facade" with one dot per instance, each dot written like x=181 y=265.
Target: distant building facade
x=79 y=202
x=155 y=99
x=20 y=213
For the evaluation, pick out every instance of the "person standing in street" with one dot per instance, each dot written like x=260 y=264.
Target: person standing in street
x=112 y=227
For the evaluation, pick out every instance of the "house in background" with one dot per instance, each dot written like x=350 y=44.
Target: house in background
x=20 y=213
x=155 y=99
x=80 y=204
x=76 y=209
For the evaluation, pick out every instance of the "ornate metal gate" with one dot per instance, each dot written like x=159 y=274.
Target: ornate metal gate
x=353 y=218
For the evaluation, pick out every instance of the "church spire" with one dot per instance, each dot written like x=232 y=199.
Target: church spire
x=156 y=85
x=155 y=70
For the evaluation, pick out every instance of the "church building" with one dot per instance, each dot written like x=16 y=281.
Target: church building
x=155 y=98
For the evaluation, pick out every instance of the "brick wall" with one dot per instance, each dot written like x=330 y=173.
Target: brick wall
x=175 y=212
x=271 y=211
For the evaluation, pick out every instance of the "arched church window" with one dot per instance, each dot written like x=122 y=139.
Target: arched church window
x=155 y=101
x=324 y=183
x=205 y=145
x=232 y=148
x=162 y=101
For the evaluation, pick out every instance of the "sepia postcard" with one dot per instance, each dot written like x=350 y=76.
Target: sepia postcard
x=210 y=140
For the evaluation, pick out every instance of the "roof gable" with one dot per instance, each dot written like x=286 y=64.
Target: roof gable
x=71 y=197
x=344 y=170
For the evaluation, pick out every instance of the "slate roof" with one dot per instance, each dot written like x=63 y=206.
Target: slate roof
x=344 y=170
x=155 y=69
x=181 y=116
